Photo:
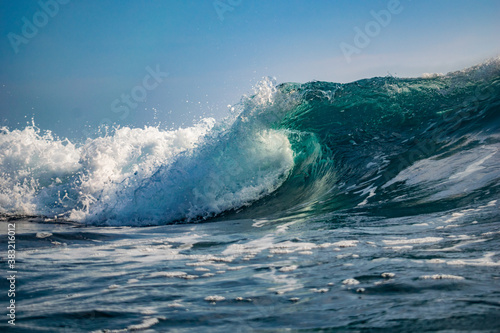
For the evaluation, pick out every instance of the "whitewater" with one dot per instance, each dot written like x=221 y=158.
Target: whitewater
x=321 y=206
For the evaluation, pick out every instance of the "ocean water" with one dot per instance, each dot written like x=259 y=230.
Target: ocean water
x=367 y=206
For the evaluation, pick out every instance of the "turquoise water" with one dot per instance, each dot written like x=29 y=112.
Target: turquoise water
x=367 y=206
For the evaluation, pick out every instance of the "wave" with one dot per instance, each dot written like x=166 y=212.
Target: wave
x=383 y=145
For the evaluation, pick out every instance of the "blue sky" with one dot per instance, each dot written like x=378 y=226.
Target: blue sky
x=72 y=72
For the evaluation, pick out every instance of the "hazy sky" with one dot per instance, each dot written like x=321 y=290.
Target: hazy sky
x=78 y=63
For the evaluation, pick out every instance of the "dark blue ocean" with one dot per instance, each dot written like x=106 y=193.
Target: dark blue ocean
x=317 y=207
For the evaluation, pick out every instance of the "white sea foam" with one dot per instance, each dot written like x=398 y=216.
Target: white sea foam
x=214 y=298
x=168 y=274
x=441 y=277
x=43 y=234
x=452 y=175
x=413 y=241
x=29 y=161
x=346 y=243
x=143 y=176
x=288 y=268
x=147 y=323
x=320 y=290
x=350 y=282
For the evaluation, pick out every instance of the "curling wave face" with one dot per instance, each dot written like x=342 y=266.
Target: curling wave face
x=384 y=144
